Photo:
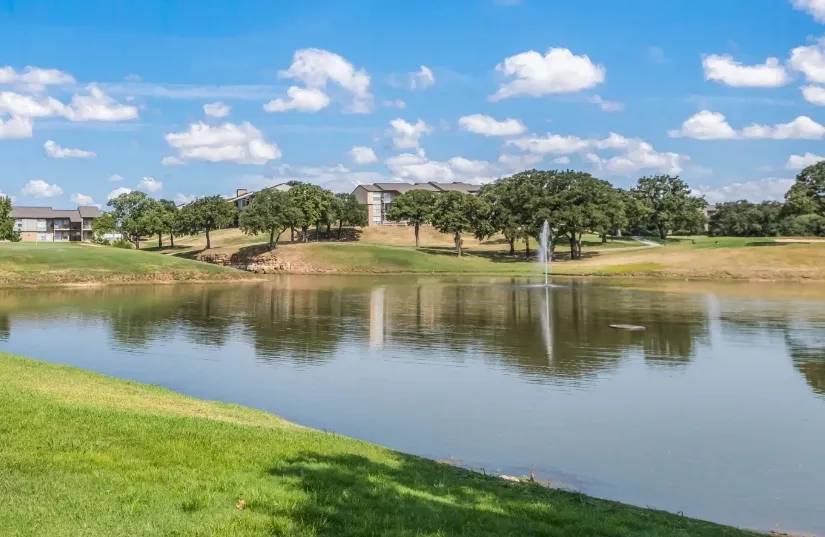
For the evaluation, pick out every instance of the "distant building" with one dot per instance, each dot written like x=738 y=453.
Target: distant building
x=709 y=211
x=44 y=224
x=243 y=197
x=378 y=196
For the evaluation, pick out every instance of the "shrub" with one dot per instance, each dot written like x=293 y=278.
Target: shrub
x=123 y=243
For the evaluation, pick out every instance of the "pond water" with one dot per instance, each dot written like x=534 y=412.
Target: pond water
x=716 y=410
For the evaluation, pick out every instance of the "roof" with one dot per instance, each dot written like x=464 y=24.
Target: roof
x=74 y=215
x=457 y=186
x=405 y=187
x=370 y=188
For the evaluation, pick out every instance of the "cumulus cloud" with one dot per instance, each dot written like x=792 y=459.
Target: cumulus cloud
x=15 y=127
x=488 y=126
x=115 y=177
x=242 y=144
x=557 y=71
x=638 y=156
x=562 y=160
x=769 y=189
x=337 y=178
x=4 y=195
x=217 y=109
x=814 y=7
x=149 y=184
x=810 y=61
x=729 y=72
x=39 y=188
x=797 y=162
x=418 y=168
x=516 y=163
x=394 y=103
x=707 y=125
x=422 y=79
x=117 y=192
x=406 y=135
x=53 y=150
x=96 y=106
x=362 y=155
x=34 y=78
x=300 y=100
x=83 y=200
x=605 y=105
x=814 y=94
x=317 y=68
x=171 y=161
x=183 y=199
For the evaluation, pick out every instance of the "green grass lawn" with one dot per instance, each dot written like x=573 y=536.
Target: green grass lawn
x=83 y=454
x=43 y=263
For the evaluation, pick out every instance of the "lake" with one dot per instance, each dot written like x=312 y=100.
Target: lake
x=716 y=410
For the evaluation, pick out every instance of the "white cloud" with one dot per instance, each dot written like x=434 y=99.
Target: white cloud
x=53 y=150
x=797 y=162
x=810 y=60
x=217 y=109
x=422 y=79
x=336 y=178
x=41 y=189
x=242 y=144
x=34 y=78
x=117 y=192
x=801 y=128
x=15 y=127
x=300 y=99
x=97 y=106
x=639 y=155
x=12 y=198
x=83 y=200
x=27 y=106
x=562 y=160
x=517 y=163
x=395 y=103
x=814 y=94
x=705 y=125
x=362 y=155
x=317 y=67
x=607 y=106
x=725 y=70
x=418 y=168
x=183 y=199
x=552 y=143
x=149 y=184
x=814 y=7
x=557 y=71
x=171 y=161
x=115 y=177
x=488 y=126
x=771 y=188
x=405 y=135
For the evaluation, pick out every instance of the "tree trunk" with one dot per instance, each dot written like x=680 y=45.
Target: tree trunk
x=271 y=239
x=317 y=233
x=340 y=228
x=604 y=238
x=160 y=241
x=572 y=247
x=291 y=233
x=527 y=246
x=136 y=240
x=662 y=232
x=329 y=231
x=417 y=241
x=458 y=243
x=172 y=240
x=512 y=246
x=304 y=234
x=208 y=241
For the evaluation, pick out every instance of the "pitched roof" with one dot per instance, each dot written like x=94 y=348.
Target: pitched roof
x=74 y=215
x=370 y=188
x=89 y=212
x=457 y=186
x=405 y=187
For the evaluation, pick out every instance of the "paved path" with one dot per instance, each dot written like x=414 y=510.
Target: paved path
x=645 y=241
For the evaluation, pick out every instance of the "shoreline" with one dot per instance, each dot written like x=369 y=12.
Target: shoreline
x=101 y=430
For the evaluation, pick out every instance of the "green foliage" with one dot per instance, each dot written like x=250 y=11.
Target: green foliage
x=415 y=207
x=122 y=243
x=206 y=214
x=8 y=232
x=349 y=212
x=455 y=213
x=105 y=224
x=804 y=225
x=270 y=211
x=669 y=204
x=313 y=202
x=745 y=219
x=131 y=211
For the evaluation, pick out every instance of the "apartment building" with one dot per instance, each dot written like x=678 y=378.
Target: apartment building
x=378 y=197
x=44 y=224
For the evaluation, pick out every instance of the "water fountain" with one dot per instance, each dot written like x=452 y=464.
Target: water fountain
x=545 y=255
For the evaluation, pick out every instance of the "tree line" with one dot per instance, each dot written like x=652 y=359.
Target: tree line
x=135 y=215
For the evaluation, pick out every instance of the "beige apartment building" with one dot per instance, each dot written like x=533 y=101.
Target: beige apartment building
x=378 y=197
x=44 y=224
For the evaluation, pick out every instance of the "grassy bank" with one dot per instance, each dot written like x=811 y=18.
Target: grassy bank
x=50 y=264
x=83 y=454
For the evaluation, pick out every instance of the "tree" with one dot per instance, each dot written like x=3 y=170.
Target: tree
x=669 y=204
x=170 y=219
x=803 y=225
x=131 y=211
x=414 y=206
x=329 y=213
x=455 y=213
x=349 y=212
x=745 y=219
x=8 y=231
x=311 y=201
x=270 y=211
x=103 y=225
x=207 y=214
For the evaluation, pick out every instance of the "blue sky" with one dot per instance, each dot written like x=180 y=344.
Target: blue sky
x=729 y=95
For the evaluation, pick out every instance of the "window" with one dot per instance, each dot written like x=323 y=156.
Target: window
x=18 y=224
x=376 y=219
x=43 y=236
x=41 y=224
x=376 y=196
x=387 y=197
x=376 y=210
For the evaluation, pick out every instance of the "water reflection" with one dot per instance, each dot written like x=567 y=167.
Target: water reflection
x=716 y=409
